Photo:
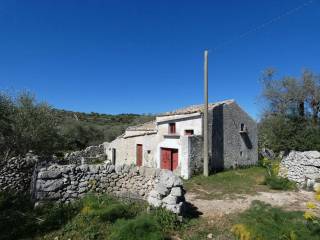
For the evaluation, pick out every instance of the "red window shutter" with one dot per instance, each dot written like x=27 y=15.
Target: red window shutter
x=172 y=128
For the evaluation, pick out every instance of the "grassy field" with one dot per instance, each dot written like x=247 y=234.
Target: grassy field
x=228 y=184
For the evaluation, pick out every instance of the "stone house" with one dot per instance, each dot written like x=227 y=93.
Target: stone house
x=174 y=140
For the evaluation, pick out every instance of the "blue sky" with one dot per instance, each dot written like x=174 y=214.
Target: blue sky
x=147 y=56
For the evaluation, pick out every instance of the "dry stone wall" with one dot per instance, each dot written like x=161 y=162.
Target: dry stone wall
x=89 y=155
x=301 y=167
x=65 y=183
x=16 y=173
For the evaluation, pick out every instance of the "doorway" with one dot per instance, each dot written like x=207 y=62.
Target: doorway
x=139 y=155
x=169 y=158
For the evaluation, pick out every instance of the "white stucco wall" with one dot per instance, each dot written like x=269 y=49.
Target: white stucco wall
x=151 y=144
x=126 y=150
x=183 y=122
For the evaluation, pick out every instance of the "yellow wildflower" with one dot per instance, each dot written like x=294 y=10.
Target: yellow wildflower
x=275 y=168
x=293 y=236
x=241 y=232
x=317 y=196
x=85 y=210
x=308 y=215
x=311 y=205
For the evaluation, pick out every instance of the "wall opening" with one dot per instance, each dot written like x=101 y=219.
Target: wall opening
x=114 y=153
x=172 y=128
x=139 y=155
x=169 y=158
x=189 y=132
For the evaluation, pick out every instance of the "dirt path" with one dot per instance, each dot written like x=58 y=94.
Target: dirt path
x=286 y=200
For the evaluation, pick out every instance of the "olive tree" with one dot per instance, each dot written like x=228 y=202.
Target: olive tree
x=291 y=117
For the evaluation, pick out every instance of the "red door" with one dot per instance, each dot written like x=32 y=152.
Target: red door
x=139 y=155
x=169 y=158
x=174 y=158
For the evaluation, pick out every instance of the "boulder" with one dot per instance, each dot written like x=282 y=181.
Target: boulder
x=154 y=201
x=52 y=185
x=161 y=189
x=267 y=153
x=176 y=191
x=170 y=200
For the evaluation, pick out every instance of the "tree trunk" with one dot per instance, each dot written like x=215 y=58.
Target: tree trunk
x=301 y=109
x=315 y=112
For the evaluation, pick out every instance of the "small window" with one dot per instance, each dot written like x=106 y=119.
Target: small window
x=188 y=132
x=243 y=128
x=172 y=128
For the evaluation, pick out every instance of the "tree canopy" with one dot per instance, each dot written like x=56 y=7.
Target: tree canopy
x=290 y=120
x=26 y=124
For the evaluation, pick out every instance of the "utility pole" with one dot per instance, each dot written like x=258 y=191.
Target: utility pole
x=205 y=117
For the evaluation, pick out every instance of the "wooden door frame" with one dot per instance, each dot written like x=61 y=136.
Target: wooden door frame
x=172 y=150
x=137 y=149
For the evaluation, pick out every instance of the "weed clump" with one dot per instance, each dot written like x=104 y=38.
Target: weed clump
x=272 y=179
x=143 y=227
x=279 y=183
x=262 y=221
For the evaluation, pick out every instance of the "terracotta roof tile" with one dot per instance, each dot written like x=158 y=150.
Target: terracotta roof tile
x=195 y=108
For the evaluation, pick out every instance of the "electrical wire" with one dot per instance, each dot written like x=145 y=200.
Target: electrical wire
x=265 y=24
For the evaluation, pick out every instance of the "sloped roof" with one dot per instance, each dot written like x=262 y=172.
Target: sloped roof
x=148 y=126
x=195 y=108
x=151 y=127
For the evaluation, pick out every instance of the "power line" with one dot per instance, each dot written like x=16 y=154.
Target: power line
x=265 y=24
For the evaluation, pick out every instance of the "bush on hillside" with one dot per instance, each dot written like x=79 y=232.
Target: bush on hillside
x=30 y=125
x=27 y=125
x=284 y=133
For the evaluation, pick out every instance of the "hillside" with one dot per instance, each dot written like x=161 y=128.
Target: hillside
x=94 y=128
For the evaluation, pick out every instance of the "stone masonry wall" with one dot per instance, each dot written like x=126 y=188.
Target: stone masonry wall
x=65 y=183
x=196 y=154
x=89 y=155
x=301 y=167
x=16 y=173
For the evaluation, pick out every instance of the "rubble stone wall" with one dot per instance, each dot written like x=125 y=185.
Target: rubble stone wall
x=16 y=173
x=301 y=167
x=65 y=183
x=89 y=155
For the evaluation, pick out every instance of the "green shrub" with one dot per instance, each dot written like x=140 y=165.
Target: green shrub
x=109 y=209
x=115 y=212
x=262 y=221
x=272 y=179
x=53 y=216
x=16 y=219
x=279 y=183
x=143 y=227
x=166 y=220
